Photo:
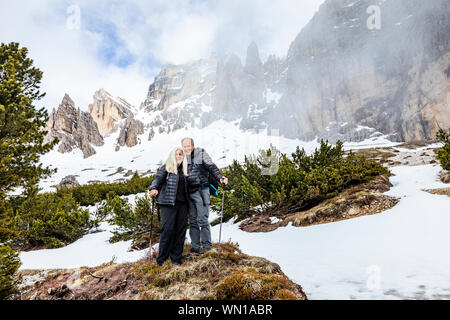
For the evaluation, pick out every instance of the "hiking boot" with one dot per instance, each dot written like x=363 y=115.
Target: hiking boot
x=196 y=251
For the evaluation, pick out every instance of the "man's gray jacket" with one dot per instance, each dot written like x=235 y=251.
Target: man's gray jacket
x=200 y=166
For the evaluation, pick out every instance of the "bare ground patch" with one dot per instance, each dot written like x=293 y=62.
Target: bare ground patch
x=441 y=191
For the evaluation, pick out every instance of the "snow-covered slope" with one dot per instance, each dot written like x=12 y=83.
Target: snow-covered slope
x=398 y=254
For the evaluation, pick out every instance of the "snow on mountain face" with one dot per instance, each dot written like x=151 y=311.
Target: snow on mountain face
x=206 y=90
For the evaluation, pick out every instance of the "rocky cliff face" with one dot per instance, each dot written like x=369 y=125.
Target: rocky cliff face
x=107 y=111
x=73 y=128
x=83 y=130
x=393 y=79
x=129 y=132
x=220 y=87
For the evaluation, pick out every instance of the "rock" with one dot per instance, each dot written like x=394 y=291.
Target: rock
x=107 y=110
x=347 y=132
x=128 y=173
x=253 y=64
x=144 y=279
x=129 y=132
x=35 y=295
x=73 y=128
x=441 y=191
x=151 y=134
x=69 y=181
x=59 y=293
x=177 y=82
x=393 y=81
x=445 y=176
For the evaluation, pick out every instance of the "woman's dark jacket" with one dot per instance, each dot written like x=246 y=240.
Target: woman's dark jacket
x=167 y=185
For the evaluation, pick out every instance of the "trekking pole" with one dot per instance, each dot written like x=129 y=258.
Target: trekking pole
x=220 y=230
x=152 y=209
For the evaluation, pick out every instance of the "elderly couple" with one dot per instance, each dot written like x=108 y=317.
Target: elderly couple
x=182 y=187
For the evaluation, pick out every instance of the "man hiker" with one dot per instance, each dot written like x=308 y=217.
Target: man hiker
x=200 y=166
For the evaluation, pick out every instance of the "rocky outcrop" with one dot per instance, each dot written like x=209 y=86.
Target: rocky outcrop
x=240 y=277
x=440 y=191
x=352 y=133
x=445 y=176
x=181 y=95
x=151 y=134
x=107 y=110
x=176 y=83
x=69 y=181
x=129 y=132
x=73 y=128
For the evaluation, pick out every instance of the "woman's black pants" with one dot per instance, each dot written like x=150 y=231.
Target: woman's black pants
x=173 y=232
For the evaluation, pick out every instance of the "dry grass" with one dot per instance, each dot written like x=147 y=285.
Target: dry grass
x=441 y=191
x=238 y=276
x=381 y=155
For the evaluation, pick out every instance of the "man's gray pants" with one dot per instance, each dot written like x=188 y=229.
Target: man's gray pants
x=199 y=230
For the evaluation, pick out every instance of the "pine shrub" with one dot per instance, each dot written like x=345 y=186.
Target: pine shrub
x=132 y=222
x=50 y=220
x=300 y=181
x=91 y=194
x=443 y=153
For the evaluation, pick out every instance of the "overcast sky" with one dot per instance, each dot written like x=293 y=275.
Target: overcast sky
x=120 y=46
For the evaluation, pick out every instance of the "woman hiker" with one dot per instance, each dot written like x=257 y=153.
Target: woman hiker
x=171 y=187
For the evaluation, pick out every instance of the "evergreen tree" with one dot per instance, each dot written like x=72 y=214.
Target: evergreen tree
x=9 y=264
x=21 y=134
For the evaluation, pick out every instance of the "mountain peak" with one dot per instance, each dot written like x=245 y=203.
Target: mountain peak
x=106 y=110
x=74 y=128
x=67 y=100
x=253 y=64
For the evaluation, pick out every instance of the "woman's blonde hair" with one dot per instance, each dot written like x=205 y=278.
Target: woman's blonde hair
x=171 y=162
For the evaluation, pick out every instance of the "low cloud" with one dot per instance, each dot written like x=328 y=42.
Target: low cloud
x=121 y=46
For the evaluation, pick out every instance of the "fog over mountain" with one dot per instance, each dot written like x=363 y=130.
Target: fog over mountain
x=341 y=78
